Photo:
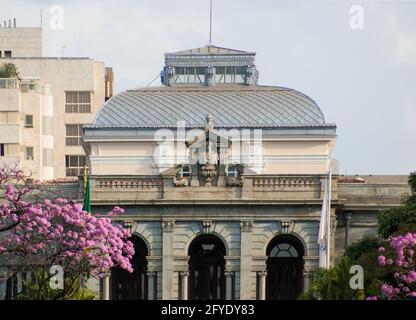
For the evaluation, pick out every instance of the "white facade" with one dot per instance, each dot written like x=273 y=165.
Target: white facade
x=56 y=96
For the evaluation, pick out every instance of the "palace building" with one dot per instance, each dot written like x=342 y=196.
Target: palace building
x=222 y=181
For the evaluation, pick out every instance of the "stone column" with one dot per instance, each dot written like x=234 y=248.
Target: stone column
x=106 y=287
x=306 y=277
x=167 y=260
x=228 y=285
x=262 y=285
x=245 y=260
x=184 y=285
x=151 y=285
x=347 y=219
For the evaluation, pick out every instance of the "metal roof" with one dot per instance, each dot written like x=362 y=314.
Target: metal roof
x=230 y=107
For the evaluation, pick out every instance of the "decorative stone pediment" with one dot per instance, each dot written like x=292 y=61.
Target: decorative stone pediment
x=285 y=224
x=180 y=182
x=128 y=225
x=246 y=226
x=206 y=226
x=168 y=225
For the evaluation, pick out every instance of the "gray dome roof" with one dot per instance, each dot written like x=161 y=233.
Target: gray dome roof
x=230 y=107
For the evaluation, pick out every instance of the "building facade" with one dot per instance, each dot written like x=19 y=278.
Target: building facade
x=43 y=109
x=222 y=182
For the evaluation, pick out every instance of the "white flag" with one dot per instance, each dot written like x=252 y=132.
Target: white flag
x=324 y=238
x=322 y=230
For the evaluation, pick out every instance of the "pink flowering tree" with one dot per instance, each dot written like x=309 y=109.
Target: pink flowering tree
x=399 y=260
x=34 y=236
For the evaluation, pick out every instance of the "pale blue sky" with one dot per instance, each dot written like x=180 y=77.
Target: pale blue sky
x=364 y=80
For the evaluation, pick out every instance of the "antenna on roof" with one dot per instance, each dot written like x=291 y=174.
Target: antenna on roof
x=41 y=18
x=210 y=24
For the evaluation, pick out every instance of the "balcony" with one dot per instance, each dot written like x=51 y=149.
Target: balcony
x=9 y=95
x=25 y=85
x=30 y=85
x=9 y=133
x=286 y=187
x=9 y=83
x=268 y=189
x=132 y=188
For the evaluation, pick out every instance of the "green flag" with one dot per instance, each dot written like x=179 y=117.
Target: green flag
x=87 y=200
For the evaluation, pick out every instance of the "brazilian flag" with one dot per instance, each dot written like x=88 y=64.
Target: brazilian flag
x=87 y=199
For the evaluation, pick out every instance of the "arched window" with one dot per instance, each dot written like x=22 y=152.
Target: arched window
x=206 y=268
x=284 y=280
x=132 y=286
x=284 y=250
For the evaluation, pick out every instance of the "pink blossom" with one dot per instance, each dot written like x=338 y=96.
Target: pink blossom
x=79 y=240
x=405 y=274
x=381 y=260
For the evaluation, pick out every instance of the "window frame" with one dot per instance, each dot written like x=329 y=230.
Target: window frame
x=185 y=173
x=32 y=157
x=29 y=125
x=78 y=106
x=232 y=172
x=69 y=139
x=78 y=168
x=279 y=251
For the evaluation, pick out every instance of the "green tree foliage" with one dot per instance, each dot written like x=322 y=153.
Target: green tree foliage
x=37 y=288
x=8 y=70
x=364 y=253
x=368 y=243
x=400 y=219
x=412 y=184
x=333 y=283
x=392 y=220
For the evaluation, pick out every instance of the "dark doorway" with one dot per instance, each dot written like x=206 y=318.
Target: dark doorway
x=284 y=279
x=131 y=286
x=206 y=269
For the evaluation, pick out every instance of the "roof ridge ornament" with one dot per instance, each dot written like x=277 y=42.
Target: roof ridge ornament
x=210 y=122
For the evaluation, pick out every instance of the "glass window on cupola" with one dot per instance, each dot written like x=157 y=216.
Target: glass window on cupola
x=190 y=75
x=230 y=75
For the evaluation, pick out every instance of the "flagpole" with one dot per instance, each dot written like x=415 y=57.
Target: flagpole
x=323 y=227
x=87 y=198
x=328 y=225
x=324 y=237
x=85 y=179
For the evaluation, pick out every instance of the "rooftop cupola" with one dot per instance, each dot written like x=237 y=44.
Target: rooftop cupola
x=209 y=66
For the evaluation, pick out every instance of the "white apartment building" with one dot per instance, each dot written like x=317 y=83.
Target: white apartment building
x=43 y=109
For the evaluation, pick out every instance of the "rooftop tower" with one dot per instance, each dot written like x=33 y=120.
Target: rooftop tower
x=209 y=66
